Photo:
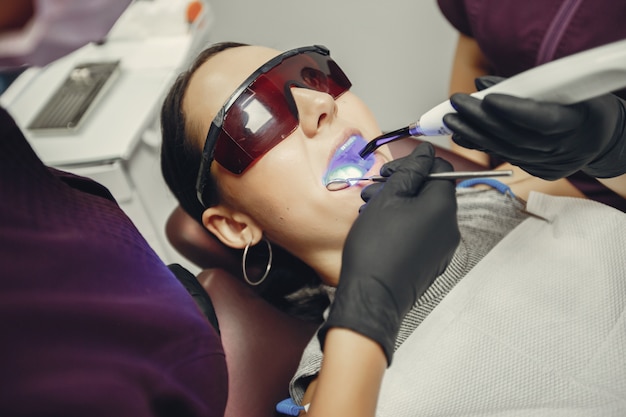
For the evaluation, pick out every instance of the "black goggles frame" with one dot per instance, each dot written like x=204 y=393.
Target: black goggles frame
x=217 y=124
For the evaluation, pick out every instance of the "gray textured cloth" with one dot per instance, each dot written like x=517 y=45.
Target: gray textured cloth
x=485 y=217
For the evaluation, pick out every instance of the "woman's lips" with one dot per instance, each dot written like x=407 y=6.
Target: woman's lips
x=345 y=158
x=343 y=140
x=346 y=161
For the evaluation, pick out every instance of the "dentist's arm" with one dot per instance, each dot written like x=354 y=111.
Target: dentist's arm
x=469 y=63
x=349 y=380
x=617 y=184
x=403 y=238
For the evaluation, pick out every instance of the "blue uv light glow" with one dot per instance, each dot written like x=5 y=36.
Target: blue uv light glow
x=347 y=163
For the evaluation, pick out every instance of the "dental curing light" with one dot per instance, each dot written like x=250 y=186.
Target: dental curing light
x=567 y=80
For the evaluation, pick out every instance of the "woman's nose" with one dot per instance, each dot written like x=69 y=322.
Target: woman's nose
x=315 y=109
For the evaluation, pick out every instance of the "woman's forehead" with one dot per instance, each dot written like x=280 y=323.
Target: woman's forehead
x=239 y=62
x=215 y=80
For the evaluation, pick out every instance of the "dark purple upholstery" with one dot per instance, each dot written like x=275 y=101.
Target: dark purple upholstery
x=263 y=345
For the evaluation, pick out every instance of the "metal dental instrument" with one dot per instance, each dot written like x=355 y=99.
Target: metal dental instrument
x=341 y=183
x=567 y=80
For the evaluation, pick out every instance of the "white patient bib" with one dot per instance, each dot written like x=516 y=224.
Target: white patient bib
x=537 y=328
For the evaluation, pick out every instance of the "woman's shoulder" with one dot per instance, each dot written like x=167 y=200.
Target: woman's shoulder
x=493 y=211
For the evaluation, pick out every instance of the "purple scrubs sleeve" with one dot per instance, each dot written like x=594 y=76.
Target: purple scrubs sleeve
x=93 y=323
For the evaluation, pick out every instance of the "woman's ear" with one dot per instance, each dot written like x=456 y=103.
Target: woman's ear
x=232 y=228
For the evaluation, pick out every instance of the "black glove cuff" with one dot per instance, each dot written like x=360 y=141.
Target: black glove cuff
x=612 y=163
x=376 y=319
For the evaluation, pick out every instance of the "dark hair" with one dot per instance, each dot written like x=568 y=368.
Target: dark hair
x=180 y=162
x=180 y=159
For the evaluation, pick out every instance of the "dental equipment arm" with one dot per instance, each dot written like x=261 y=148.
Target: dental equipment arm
x=568 y=80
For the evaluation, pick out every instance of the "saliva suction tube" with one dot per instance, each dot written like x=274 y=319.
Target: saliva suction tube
x=346 y=163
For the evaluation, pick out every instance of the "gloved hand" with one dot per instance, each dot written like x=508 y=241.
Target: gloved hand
x=402 y=239
x=547 y=140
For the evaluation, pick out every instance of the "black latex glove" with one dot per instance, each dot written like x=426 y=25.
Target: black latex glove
x=547 y=140
x=403 y=238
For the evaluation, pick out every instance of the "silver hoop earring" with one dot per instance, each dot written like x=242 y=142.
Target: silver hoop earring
x=267 y=268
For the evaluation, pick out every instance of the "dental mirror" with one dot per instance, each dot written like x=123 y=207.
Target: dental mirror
x=337 y=184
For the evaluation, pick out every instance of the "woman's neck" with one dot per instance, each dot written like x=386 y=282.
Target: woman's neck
x=327 y=264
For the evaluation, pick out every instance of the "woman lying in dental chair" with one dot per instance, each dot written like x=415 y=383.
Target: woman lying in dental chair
x=496 y=300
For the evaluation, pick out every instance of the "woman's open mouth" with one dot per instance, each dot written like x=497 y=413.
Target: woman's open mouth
x=347 y=163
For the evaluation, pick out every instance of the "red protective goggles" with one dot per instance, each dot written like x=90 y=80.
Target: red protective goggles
x=262 y=112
